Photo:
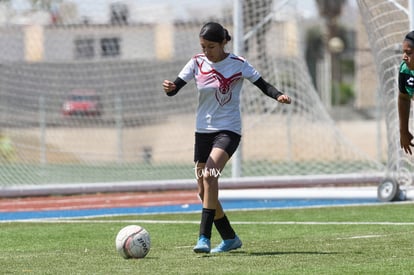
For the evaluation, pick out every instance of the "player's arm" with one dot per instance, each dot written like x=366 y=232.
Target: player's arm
x=404 y=104
x=271 y=91
x=172 y=88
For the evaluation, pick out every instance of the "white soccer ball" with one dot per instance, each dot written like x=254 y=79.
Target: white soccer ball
x=133 y=241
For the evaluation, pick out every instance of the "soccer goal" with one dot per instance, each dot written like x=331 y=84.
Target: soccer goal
x=387 y=22
x=81 y=99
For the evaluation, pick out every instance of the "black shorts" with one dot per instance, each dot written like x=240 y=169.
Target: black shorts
x=205 y=142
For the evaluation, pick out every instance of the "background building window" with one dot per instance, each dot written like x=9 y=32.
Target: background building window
x=84 y=48
x=110 y=46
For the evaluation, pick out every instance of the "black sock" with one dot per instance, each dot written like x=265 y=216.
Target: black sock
x=224 y=228
x=207 y=218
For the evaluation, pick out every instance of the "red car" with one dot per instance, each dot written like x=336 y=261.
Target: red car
x=82 y=102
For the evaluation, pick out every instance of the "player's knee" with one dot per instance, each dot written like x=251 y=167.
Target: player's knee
x=209 y=179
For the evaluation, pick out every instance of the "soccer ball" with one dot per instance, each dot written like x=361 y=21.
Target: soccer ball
x=133 y=241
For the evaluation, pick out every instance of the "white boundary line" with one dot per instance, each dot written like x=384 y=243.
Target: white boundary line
x=80 y=221
x=318 y=193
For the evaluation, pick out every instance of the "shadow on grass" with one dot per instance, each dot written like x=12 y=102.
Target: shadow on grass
x=271 y=253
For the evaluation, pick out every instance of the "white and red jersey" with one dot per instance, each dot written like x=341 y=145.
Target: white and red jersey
x=219 y=86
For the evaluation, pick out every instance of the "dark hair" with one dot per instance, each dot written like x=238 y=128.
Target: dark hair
x=410 y=37
x=215 y=32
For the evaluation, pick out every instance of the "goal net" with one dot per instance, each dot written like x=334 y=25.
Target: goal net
x=81 y=97
x=387 y=22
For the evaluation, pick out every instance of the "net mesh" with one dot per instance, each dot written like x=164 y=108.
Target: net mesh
x=387 y=23
x=128 y=129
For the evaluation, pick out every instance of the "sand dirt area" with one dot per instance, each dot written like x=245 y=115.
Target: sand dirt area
x=174 y=140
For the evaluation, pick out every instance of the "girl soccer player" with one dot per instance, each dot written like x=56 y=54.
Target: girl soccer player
x=406 y=87
x=219 y=77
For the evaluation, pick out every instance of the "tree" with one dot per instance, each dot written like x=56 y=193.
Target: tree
x=314 y=50
x=330 y=10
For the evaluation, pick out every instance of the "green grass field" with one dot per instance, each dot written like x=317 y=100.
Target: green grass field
x=376 y=239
